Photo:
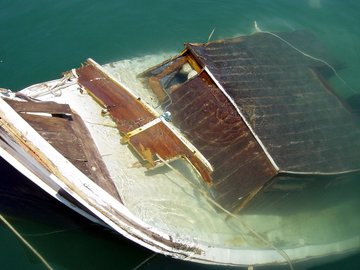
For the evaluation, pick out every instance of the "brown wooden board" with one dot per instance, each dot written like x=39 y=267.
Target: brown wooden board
x=126 y=110
x=130 y=114
x=59 y=133
x=297 y=117
x=159 y=140
x=67 y=133
x=39 y=107
x=95 y=164
x=166 y=76
x=155 y=80
x=207 y=118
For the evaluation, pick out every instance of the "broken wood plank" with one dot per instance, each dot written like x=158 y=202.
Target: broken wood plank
x=128 y=112
x=132 y=116
x=159 y=140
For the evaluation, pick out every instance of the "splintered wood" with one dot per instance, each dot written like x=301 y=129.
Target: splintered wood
x=152 y=138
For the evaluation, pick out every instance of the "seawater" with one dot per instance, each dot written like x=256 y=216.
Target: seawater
x=39 y=39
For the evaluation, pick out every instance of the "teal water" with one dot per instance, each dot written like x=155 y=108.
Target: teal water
x=39 y=39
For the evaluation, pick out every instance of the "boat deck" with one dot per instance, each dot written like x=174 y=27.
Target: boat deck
x=67 y=133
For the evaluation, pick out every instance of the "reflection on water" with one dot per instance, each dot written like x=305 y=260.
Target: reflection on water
x=62 y=237
x=69 y=242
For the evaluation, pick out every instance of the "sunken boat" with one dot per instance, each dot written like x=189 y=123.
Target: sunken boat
x=232 y=152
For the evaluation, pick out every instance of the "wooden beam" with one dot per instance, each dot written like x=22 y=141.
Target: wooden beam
x=134 y=120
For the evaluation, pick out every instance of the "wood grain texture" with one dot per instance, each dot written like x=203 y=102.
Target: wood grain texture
x=159 y=140
x=130 y=114
x=127 y=112
x=296 y=115
x=67 y=133
x=207 y=118
x=39 y=107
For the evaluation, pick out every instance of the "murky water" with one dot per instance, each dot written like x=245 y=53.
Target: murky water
x=40 y=39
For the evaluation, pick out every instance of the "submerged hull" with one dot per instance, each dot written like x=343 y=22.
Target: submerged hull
x=165 y=207
x=21 y=199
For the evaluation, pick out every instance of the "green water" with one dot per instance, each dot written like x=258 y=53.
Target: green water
x=39 y=39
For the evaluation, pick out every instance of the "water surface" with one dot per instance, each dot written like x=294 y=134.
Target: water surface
x=39 y=39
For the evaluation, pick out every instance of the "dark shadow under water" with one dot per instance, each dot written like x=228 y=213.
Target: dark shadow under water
x=69 y=241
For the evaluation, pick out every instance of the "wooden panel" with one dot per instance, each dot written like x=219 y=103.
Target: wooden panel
x=129 y=114
x=293 y=111
x=39 y=107
x=59 y=133
x=155 y=81
x=126 y=110
x=160 y=140
x=67 y=133
x=212 y=124
x=165 y=77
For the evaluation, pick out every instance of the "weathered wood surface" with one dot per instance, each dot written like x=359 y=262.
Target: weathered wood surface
x=129 y=114
x=39 y=107
x=164 y=77
x=67 y=133
x=155 y=81
x=302 y=124
x=160 y=140
x=207 y=118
